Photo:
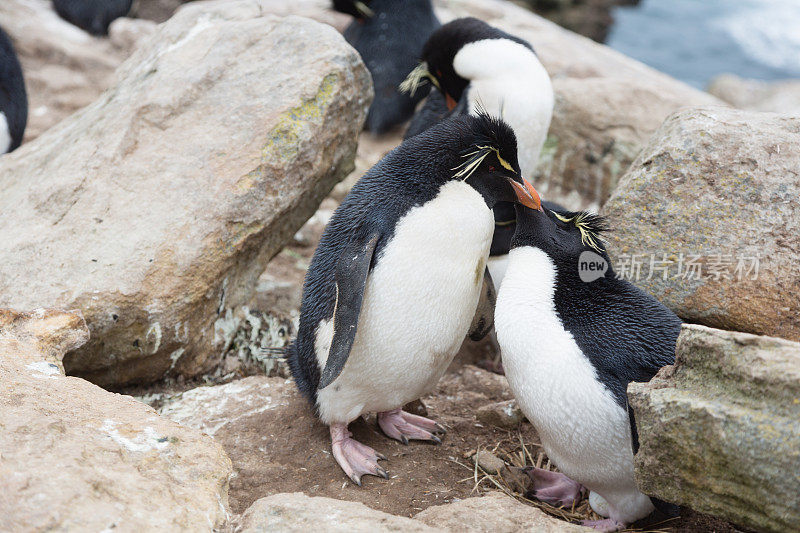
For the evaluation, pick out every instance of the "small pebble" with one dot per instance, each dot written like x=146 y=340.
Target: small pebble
x=506 y=415
x=490 y=463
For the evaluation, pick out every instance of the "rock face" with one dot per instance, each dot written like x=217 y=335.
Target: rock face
x=298 y=513
x=756 y=95
x=494 y=513
x=73 y=456
x=719 y=432
x=708 y=216
x=155 y=209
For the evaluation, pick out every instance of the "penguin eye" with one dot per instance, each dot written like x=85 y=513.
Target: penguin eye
x=491 y=168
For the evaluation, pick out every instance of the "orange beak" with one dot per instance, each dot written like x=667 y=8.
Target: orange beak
x=526 y=194
x=451 y=104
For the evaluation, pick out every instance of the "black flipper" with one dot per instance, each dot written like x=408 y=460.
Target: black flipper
x=484 y=315
x=351 y=279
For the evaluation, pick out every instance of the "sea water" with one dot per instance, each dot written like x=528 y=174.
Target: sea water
x=694 y=40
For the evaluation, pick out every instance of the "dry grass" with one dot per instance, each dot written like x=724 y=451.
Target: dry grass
x=517 y=453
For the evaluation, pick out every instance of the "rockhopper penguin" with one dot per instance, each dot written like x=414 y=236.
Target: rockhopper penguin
x=396 y=279
x=93 y=16
x=13 y=99
x=474 y=66
x=572 y=337
x=389 y=34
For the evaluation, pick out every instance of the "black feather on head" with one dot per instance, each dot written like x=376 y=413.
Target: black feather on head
x=492 y=134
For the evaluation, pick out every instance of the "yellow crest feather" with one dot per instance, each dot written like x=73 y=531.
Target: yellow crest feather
x=588 y=236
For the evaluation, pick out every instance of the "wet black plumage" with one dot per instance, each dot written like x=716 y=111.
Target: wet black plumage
x=13 y=98
x=93 y=16
x=390 y=42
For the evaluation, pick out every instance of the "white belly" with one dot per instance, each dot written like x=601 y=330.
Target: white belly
x=5 y=135
x=419 y=302
x=582 y=429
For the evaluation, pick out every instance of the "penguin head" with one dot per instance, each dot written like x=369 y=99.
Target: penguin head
x=460 y=51
x=481 y=151
x=568 y=238
x=355 y=8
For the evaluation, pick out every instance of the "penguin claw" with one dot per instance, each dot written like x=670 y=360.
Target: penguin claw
x=402 y=426
x=554 y=488
x=356 y=459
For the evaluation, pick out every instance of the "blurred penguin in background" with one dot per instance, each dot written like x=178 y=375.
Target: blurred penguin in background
x=13 y=99
x=93 y=16
x=475 y=67
x=389 y=34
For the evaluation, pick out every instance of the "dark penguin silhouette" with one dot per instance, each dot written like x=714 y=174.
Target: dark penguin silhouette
x=397 y=278
x=474 y=66
x=93 y=16
x=13 y=99
x=389 y=34
x=573 y=337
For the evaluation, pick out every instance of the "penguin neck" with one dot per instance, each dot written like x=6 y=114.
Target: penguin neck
x=531 y=278
x=527 y=299
x=508 y=81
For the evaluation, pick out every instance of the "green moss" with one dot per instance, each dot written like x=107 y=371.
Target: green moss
x=283 y=141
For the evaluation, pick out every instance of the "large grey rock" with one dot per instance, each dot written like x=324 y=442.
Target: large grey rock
x=756 y=95
x=719 y=432
x=715 y=193
x=495 y=513
x=298 y=513
x=155 y=209
x=74 y=457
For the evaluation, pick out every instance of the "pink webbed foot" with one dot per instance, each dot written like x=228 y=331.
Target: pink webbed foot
x=606 y=525
x=355 y=458
x=554 y=488
x=403 y=426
